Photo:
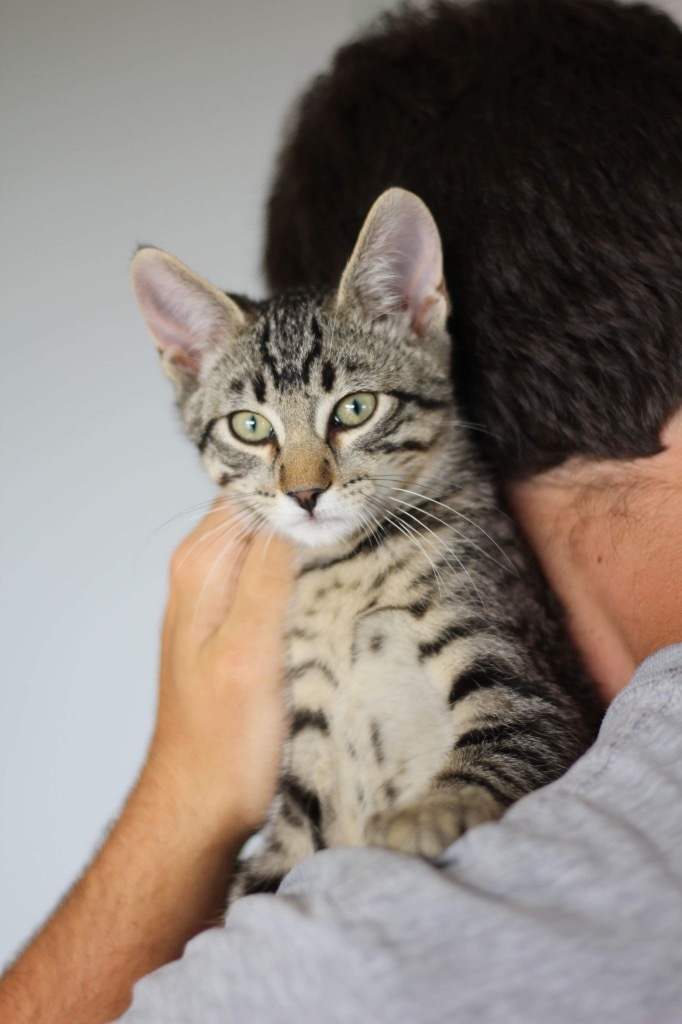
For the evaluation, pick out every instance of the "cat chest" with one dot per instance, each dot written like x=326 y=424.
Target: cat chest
x=343 y=614
x=370 y=723
x=371 y=622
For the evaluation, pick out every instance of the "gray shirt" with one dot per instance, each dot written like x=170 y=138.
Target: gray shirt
x=569 y=909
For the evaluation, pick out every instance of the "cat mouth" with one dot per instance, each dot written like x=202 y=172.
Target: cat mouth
x=319 y=531
x=318 y=522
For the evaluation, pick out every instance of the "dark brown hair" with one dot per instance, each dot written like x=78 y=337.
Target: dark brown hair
x=546 y=138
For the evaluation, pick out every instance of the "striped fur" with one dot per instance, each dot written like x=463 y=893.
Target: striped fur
x=430 y=683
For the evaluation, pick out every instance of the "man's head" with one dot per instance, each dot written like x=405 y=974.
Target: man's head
x=546 y=138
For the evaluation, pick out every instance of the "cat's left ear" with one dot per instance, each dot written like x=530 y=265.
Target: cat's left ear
x=189 y=319
x=395 y=274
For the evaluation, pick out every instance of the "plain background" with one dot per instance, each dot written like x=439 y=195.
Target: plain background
x=135 y=121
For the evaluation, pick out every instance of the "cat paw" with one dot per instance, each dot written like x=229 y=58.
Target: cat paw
x=427 y=827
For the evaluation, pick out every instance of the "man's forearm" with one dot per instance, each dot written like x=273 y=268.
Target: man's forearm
x=160 y=878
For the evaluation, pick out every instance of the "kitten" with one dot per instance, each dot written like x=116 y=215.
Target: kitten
x=428 y=685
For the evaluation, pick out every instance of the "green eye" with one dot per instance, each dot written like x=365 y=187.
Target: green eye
x=354 y=409
x=251 y=427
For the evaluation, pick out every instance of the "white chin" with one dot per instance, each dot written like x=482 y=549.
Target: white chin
x=315 y=533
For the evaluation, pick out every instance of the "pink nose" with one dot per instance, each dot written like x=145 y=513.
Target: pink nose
x=307 y=499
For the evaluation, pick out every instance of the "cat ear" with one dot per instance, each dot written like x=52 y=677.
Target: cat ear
x=188 y=318
x=395 y=274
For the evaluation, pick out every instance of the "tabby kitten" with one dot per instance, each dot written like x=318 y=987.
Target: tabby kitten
x=428 y=685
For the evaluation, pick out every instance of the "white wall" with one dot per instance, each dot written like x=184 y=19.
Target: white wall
x=139 y=120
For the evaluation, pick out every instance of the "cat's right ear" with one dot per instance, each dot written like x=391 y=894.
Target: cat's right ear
x=394 y=277
x=188 y=318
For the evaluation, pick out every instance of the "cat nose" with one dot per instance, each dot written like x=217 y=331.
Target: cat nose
x=307 y=499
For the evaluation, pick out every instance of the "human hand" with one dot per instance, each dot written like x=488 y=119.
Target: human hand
x=220 y=719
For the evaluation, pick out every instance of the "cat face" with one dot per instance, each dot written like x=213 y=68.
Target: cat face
x=309 y=421
x=312 y=411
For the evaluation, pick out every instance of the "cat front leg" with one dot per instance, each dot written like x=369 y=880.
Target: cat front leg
x=511 y=736
x=428 y=826
x=479 y=781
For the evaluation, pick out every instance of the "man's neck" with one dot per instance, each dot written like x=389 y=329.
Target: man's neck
x=609 y=537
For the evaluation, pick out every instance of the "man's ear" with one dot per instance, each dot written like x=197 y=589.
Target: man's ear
x=395 y=274
x=187 y=317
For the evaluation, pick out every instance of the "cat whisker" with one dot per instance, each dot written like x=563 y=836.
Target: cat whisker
x=197 y=511
x=451 y=552
x=249 y=527
x=438 y=490
x=273 y=531
x=246 y=547
x=368 y=527
x=413 y=535
x=478 y=427
x=462 y=536
x=448 y=550
x=221 y=528
x=193 y=511
x=461 y=515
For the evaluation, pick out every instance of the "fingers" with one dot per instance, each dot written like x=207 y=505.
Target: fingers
x=205 y=565
x=264 y=583
x=223 y=574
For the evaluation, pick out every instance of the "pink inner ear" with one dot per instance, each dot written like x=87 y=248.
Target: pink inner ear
x=429 y=306
x=426 y=288
x=407 y=244
x=180 y=312
x=425 y=269
x=396 y=270
x=172 y=338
